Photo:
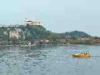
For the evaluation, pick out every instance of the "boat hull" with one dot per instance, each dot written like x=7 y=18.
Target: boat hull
x=81 y=55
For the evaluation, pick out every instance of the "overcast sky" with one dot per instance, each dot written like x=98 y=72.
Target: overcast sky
x=57 y=15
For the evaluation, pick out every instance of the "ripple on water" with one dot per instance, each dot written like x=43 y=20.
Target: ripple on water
x=56 y=60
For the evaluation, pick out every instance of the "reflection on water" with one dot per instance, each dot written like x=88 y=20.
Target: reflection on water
x=49 y=60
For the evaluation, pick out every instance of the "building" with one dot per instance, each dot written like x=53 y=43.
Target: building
x=30 y=22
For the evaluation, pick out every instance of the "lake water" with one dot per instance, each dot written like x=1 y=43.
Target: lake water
x=49 y=60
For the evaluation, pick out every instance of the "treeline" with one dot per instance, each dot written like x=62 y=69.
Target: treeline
x=23 y=34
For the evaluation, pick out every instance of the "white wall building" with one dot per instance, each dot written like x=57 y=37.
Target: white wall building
x=29 y=22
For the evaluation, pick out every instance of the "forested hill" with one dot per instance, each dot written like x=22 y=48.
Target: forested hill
x=28 y=33
x=77 y=34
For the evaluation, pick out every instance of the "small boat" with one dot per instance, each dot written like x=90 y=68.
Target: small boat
x=82 y=55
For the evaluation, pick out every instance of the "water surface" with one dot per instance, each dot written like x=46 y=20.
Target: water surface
x=49 y=60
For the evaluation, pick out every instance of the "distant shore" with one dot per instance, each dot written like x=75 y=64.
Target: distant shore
x=68 y=44
x=37 y=35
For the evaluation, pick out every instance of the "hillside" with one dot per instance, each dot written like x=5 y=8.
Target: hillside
x=37 y=32
x=76 y=34
x=22 y=33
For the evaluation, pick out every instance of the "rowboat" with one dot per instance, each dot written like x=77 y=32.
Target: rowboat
x=82 y=55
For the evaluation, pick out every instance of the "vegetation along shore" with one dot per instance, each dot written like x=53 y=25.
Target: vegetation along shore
x=32 y=34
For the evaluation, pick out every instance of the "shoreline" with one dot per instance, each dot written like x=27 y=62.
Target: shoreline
x=46 y=45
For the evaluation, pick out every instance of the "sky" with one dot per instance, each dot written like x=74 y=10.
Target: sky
x=56 y=15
